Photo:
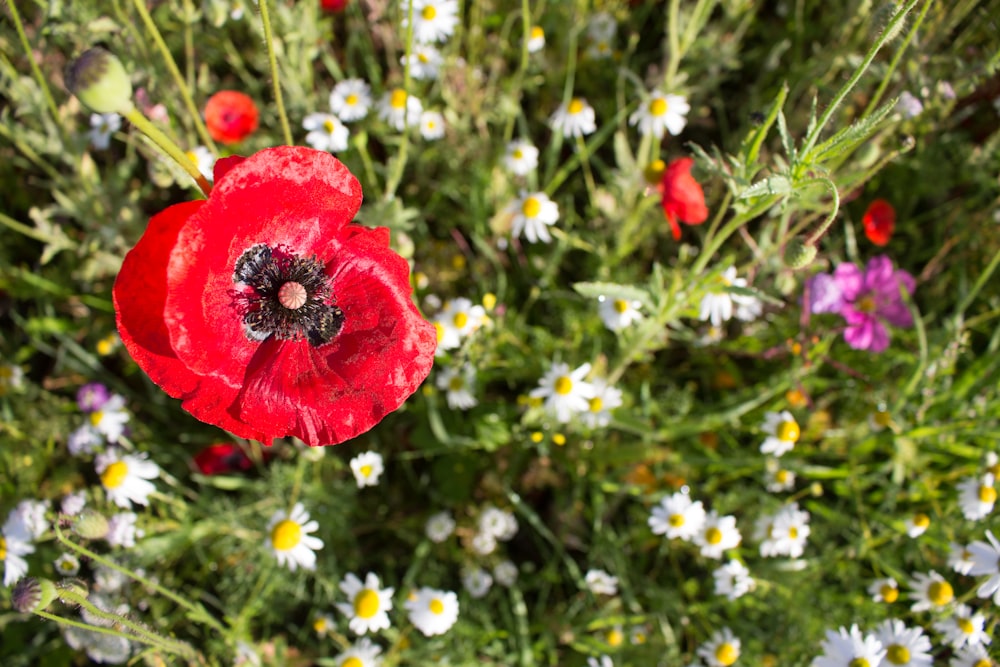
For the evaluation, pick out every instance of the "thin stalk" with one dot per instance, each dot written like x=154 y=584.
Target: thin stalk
x=161 y=140
x=35 y=70
x=399 y=164
x=818 y=234
x=673 y=42
x=896 y=57
x=705 y=256
x=31 y=232
x=272 y=59
x=508 y=131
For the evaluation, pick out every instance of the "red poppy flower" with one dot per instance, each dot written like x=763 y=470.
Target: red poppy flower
x=683 y=198
x=267 y=312
x=879 y=221
x=222 y=458
x=333 y=5
x=230 y=116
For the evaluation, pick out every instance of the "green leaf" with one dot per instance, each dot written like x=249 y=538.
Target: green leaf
x=850 y=137
x=597 y=290
x=772 y=185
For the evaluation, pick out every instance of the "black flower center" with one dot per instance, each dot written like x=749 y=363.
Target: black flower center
x=291 y=297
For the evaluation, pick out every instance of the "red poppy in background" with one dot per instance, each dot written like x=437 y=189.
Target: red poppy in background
x=230 y=116
x=879 y=221
x=683 y=198
x=222 y=458
x=333 y=5
x=267 y=312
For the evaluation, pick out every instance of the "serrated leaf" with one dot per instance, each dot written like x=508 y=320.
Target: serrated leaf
x=772 y=185
x=597 y=290
x=755 y=139
x=786 y=139
x=749 y=291
x=850 y=137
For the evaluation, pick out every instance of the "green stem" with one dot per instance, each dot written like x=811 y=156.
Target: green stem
x=508 y=131
x=673 y=41
x=818 y=234
x=706 y=254
x=35 y=70
x=896 y=57
x=161 y=140
x=399 y=164
x=272 y=60
x=168 y=58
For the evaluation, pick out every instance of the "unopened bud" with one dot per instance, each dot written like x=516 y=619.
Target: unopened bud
x=31 y=595
x=91 y=525
x=100 y=81
x=72 y=591
x=799 y=254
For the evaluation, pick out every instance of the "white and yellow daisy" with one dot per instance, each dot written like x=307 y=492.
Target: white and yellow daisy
x=15 y=544
x=367 y=468
x=483 y=543
x=122 y=530
x=32 y=515
x=477 y=582
x=930 y=591
x=601 y=583
x=618 y=313
x=785 y=533
x=964 y=627
x=972 y=656
x=600 y=661
x=102 y=126
x=601 y=25
x=439 y=527
x=717 y=535
x=599 y=406
x=533 y=213
x=368 y=604
x=884 y=590
x=960 y=558
x=400 y=109
x=599 y=49
x=431 y=125
x=499 y=523
x=425 y=62
x=351 y=99
x=733 y=580
x=782 y=433
x=721 y=650
x=565 y=392
x=977 y=496
x=364 y=653
x=84 y=441
x=110 y=420
x=323 y=624
x=326 y=132
x=433 y=20
x=431 y=611
x=986 y=561
x=289 y=538
x=917 y=524
x=67 y=565
x=458 y=383
x=849 y=649
x=677 y=516
x=536 y=39
x=574 y=119
x=11 y=378
x=73 y=503
x=125 y=478
x=459 y=319
x=717 y=305
x=204 y=159
x=661 y=113
x=776 y=478
x=904 y=646
x=520 y=157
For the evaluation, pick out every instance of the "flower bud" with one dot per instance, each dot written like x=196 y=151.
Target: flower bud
x=91 y=525
x=100 y=81
x=71 y=591
x=798 y=254
x=31 y=595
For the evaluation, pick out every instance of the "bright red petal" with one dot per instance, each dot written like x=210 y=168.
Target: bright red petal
x=879 y=222
x=683 y=197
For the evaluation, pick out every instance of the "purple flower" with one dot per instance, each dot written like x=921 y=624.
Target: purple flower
x=91 y=397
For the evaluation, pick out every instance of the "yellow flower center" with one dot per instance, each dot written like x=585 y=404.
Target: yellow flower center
x=866 y=304
x=105 y=345
x=984 y=662
x=965 y=625
x=595 y=404
x=351 y=100
x=615 y=637
x=460 y=320
x=440 y=331
x=882 y=418
x=96 y=417
x=319 y=625
x=517 y=154
x=782 y=476
x=921 y=520
x=726 y=654
x=676 y=520
x=537 y=437
x=859 y=662
x=429 y=13
x=366 y=603
x=940 y=593
x=537 y=32
x=987 y=494
x=191 y=156
x=575 y=106
x=352 y=662
x=114 y=475
x=366 y=470
x=329 y=126
x=456 y=383
x=658 y=106
x=713 y=535
x=888 y=593
x=653 y=172
x=620 y=306
x=788 y=431
x=793 y=532
x=398 y=99
x=559 y=439
x=898 y=655
x=489 y=301
x=286 y=535
x=436 y=606
x=422 y=57
x=531 y=207
x=563 y=386
x=3 y=548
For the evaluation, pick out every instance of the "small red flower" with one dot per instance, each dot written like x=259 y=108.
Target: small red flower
x=683 y=198
x=879 y=221
x=221 y=459
x=333 y=5
x=230 y=116
x=267 y=312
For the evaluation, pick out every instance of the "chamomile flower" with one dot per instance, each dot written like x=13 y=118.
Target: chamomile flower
x=364 y=653
x=459 y=319
x=599 y=406
x=323 y=624
x=499 y=523
x=73 y=503
x=458 y=383
x=204 y=159
x=288 y=537
x=431 y=125
x=618 y=313
x=15 y=544
x=574 y=119
x=849 y=649
x=483 y=543
x=425 y=62
x=31 y=514
x=536 y=39
x=602 y=661
x=11 y=378
x=717 y=535
x=786 y=533
x=125 y=478
x=367 y=468
x=964 y=627
x=477 y=582
x=960 y=558
x=721 y=650
x=439 y=527
x=601 y=25
x=565 y=392
x=972 y=656
x=84 y=441
x=520 y=157
x=110 y=420
x=601 y=583
x=782 y=433
x=433 y=20
x=904 y=646
x=400 y=109
x=505 y=573
x=776 y=478
x=121 y=530
x=599 y=49
x=930 y=591
x=67 y=565
x=677 y=516
x=326 y=132
x=533 y=213
x=351 y=99
x=102 y=126
x=431 y=611
x=717 y=305
x=661 y=113
x=884 y=590
x=368 y=604
x=977 y=496
x=986 y=561
x=733 y=580
x=917 y=524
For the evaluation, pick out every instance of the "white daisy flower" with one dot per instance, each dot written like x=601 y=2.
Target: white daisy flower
x=477 y=582
x=776 y=478
x=110 y=420
x=601 y=25
x=617 y=314
x=677 y=516
x=986 y=561
x=972 y=656
x=289 y=538
x=605 y=399
x=521 y=157
x=367 y=468
x=15 y=544
x=459 y=319
x=717 y=305
x=721 y=650
x=326 y=132
x=323 y=624
x=102 y=126
x=84 y=441
x=11 y=377
x=73 y=503
x=884 y=590
x=431 y=611
x=917 y=524
x=930 y=591
x=733 y=580
x=431 y=125
x=601 y=583
x=125 y=478
x=67 y=565
x=368 y=604
x=533 y=213
x=904 y=646
x=399 y=109
x=536 y=39
x=439 y=527
x=602 y=661
x=661 y=113
x=505 y=573
x=599 y=49
x=849 y=649
x=574 y=119
x=425 y=62
x=782 y=433
x=785 y=533
x=977 y=496
x=960 y=558
x=433 y=20
x=364 y=653
x=964 y=627
x=717 y=535
x=31 y=514
x=246 y=655
x=565 y=392
x=499 y=523
x=122 y=531
x=108 y=580
x=458 y=383
x=483 y=543
x=351 y=99
x=204 y=159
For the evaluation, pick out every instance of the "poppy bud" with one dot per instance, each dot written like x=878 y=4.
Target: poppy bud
x=100 y=81
x=799 y=254
x=91 y=525
x=31 y=595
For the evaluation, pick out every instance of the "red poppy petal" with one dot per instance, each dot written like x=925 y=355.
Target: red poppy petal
x=683 y=197
x=224 y=164
x=879 y=222
x=230 y=116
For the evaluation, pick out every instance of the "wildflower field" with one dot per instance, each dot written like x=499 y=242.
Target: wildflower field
x=365 y=333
